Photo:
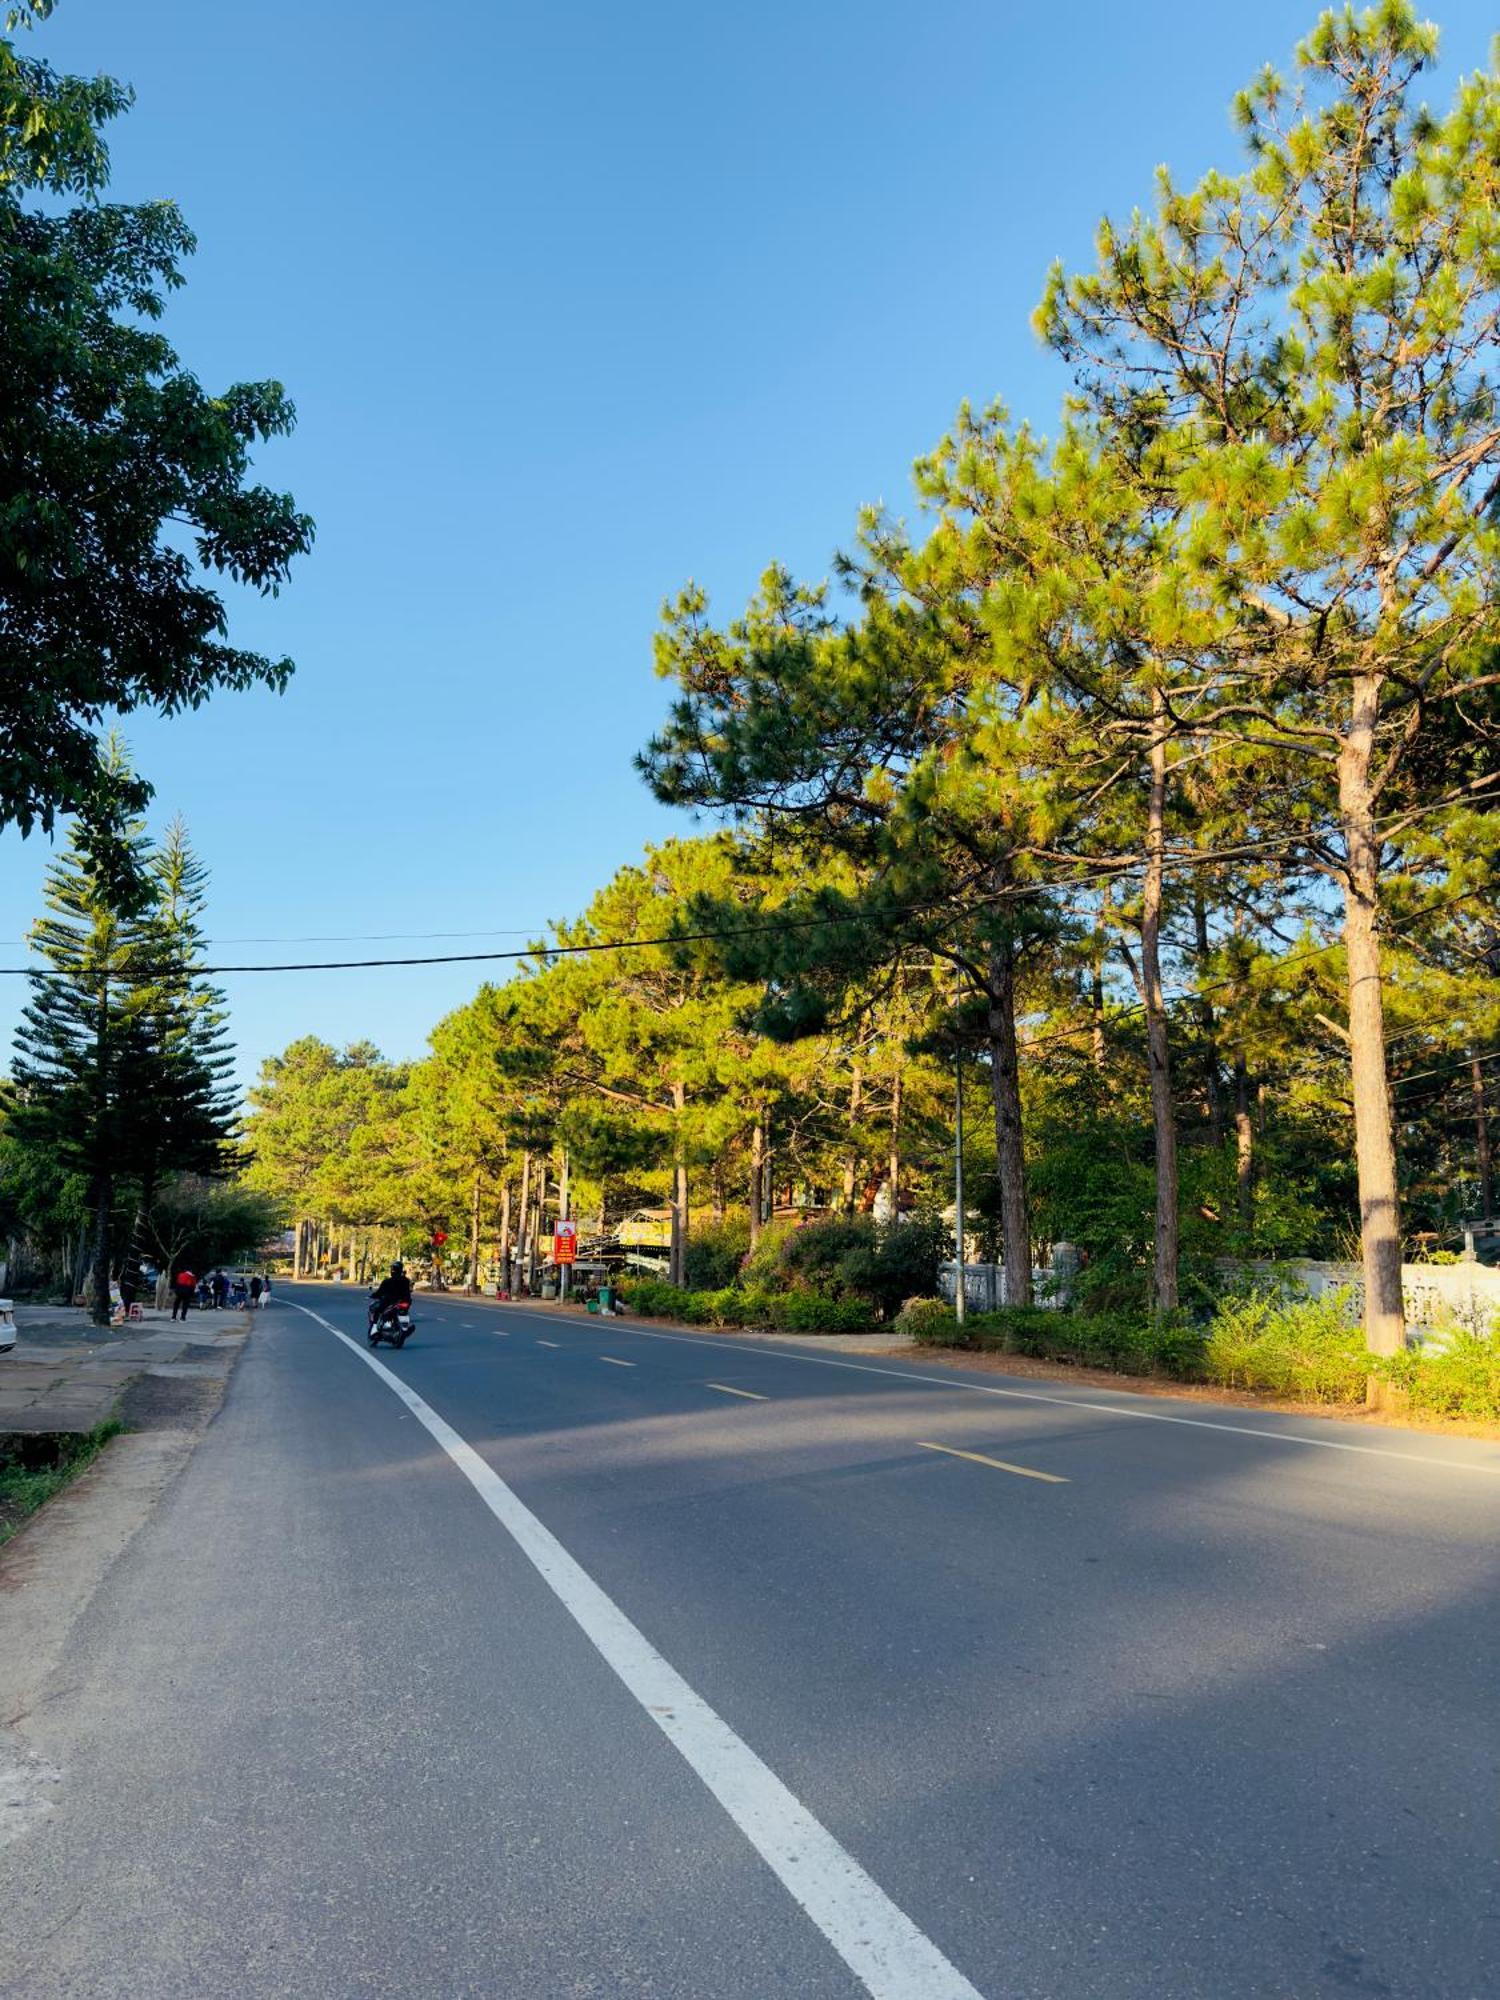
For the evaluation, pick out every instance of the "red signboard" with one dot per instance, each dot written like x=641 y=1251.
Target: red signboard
x=565 y=1243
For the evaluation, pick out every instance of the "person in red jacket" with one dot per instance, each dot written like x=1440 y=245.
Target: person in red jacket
x=184 y=1285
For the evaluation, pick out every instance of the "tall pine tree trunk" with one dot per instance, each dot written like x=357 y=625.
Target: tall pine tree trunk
x=82 y=1259
x=678 y=1267
x=101 y=1204
x=851 y=1158
x=1483 y=1155
x=523 y=1226
x=1208 y=1027
x=757 y=1175
x=1244 y=1151
x=893 y=1163
x=1374 y=1141
x=1010 y=1156
x=505 y=1234
x=1163 y=1123
x=473 y=1285
x=1096 y=1009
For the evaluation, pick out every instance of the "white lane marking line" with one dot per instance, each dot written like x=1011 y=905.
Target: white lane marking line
x=879 y=1943
x=1073 y=1403
x=614 y=1362
x=549 y=1343
x=1000 y=1464
x=749 y=1394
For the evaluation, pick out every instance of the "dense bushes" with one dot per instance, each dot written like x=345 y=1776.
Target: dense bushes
x=1131 y=1345
x=1459 y=1379
x=1309 y=1349
x=855 y=1258
x=1303 y=1350
x=715 y=1253
x=750 y=1306
x=838 y=1276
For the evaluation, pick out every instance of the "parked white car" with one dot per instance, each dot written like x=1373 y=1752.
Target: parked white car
x=7 y=1326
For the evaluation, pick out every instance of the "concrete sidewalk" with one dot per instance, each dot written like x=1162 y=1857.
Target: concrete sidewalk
x=66 y=1375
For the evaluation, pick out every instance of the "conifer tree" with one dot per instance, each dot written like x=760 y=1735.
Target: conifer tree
x=82 y=1047
x=1298 y=363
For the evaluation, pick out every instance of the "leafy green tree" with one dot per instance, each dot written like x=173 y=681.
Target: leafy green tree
x=83 y=1047
x=646 y=1026
x=880 y=758
x=109 y=451
x=198 y=1221
x=1299 y=361
x=333 y=1137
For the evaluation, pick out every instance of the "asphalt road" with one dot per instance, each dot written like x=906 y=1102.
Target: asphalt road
x=726 y=1696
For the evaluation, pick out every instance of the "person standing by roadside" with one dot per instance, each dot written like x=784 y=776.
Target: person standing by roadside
x=255 y=1291
x=221 y=1289
x=184 y=1285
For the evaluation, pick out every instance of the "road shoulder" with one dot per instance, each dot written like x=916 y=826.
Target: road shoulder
x=52 y=1567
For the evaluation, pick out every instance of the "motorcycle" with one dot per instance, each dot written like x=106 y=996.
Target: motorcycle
x=393 y=1323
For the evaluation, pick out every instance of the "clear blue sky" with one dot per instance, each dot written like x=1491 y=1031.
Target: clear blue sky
x=578 y=301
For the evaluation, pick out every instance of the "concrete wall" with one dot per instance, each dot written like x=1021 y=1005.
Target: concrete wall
x=1433 y=1293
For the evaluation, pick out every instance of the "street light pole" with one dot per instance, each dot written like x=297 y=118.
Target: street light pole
x=960 y=1302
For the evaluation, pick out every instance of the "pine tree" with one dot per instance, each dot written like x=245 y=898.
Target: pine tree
x=1297 y=362
x=182 y=1111
x=81 y=1047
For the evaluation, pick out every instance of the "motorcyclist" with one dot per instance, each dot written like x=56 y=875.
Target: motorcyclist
x=392 y=1291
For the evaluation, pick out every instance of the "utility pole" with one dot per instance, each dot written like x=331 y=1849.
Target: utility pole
x=960 y=1302
x=565 y=1212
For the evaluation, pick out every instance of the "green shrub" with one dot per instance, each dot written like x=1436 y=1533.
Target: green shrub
x=1459 y=1379
x=1122 y=1341
x=930 y=1321
x=906 y=1261
x=750 y=1306
x=854 y=1257
x=653 y=1297
x=1310 y=1349
x=715 y=1253
x=755 y=1304
x=814 y=1312
x=761 y=1269
x=834 y=1256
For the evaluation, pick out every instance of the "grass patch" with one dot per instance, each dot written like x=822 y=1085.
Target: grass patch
x=32 y=1469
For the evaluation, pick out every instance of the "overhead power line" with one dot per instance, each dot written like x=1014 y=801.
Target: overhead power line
x=1017 y=893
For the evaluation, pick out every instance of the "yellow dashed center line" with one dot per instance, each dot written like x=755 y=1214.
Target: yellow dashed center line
x=725 y=1390
x=614 y=1363
x=999 y=1464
